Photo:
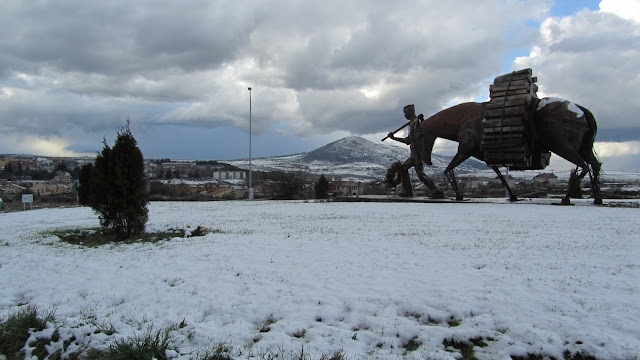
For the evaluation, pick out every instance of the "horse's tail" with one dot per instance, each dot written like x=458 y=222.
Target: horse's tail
x=590 y=137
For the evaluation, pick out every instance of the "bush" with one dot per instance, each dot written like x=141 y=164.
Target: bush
x=575 y=190
x=288 y=185
x=322 y=188
x=115 y=187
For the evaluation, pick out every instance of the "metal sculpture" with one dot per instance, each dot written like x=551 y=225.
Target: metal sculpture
x=558 y=126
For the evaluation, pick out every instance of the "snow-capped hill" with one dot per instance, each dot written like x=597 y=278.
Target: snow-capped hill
x=355 y=149
x=353 y=156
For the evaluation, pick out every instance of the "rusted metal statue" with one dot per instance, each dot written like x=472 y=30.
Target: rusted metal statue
x=514 y=129
x=558 y=126
x=419 y=153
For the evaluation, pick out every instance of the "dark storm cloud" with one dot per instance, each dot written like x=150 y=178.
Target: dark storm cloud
x=121 y=38
x=192 y=58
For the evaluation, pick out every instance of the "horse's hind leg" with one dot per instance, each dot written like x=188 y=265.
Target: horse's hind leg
x=571 y=155
x=512 y=196
x=594 y=175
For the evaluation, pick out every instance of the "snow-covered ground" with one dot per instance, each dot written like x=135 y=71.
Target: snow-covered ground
x=364 y=278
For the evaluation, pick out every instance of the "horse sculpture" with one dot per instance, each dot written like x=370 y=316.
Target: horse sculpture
x=559 y=126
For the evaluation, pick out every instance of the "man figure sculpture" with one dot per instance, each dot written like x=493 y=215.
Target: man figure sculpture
x=417 y=144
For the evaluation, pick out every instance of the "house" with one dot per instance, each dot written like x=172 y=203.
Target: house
x=41 y=188
x=14 y=189
x=236 y=192
x=345 y=188
x=63 y=177
x=44 y=188
x=229 y=175
x=45 y=164
x=546 y=180
x=262 y=190
x=3 y=163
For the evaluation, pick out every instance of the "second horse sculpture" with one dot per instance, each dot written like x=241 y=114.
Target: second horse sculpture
x=560 y=126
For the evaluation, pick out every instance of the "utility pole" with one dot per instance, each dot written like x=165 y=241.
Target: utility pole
x=250 y=184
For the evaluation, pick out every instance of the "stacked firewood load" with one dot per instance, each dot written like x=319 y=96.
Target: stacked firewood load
x=507 y=127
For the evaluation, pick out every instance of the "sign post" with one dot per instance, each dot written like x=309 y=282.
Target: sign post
x=27 y=198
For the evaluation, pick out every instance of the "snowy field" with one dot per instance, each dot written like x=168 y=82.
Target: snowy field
x=370 y=279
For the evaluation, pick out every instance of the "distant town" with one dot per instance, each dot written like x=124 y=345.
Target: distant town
x=53 y=181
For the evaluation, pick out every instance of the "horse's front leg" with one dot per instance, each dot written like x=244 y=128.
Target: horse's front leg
x=451 y=176
x=458 y=159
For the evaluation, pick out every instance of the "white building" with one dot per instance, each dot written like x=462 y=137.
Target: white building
x=229 y=175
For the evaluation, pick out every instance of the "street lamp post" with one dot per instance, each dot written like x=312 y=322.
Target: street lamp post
x=250 y=184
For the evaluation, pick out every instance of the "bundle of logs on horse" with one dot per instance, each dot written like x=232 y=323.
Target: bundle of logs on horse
x=507 y=127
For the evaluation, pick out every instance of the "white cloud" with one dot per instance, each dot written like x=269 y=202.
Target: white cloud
x=626 y=9
x=591 y=58
x=31 y=144
x=613 y=149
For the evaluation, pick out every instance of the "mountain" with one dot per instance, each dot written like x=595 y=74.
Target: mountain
x=353 y=157
x=355 y=149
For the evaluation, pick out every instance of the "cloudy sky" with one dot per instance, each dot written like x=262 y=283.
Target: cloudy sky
x=71 y=72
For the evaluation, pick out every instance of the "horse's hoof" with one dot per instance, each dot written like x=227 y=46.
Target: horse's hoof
x=437 y=194
x=597 y=202
x=565 y=201
x=513 y=199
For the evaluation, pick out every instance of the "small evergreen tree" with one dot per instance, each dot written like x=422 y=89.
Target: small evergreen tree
x=322 y=188
x=84 y=190
x=575 y=190
x=117 y=190
x=9 y=168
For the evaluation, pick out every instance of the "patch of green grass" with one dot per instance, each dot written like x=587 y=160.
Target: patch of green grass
x=418 y=317
x=411 y=345
x=567 y=355
x=217 y=352
x=103 y=327
x=14 y=332
x=266 y=327
x=453 y=322
x=466 y=347
x=93 y=237
x=338 y=355
x=17 y=327
x=577 y=356
x=147 y=346
x=300 y=333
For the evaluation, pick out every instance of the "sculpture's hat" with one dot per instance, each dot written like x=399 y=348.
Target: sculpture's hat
x=409 y=108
